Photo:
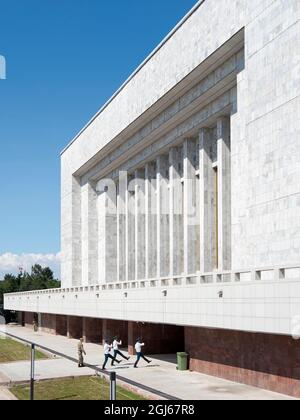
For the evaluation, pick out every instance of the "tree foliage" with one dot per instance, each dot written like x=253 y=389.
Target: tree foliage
x=39 y=279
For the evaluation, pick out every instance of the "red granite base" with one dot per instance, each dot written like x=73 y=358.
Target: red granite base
x=262 y=360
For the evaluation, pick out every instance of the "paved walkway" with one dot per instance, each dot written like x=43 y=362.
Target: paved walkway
x=5 y=395
x=160 y=375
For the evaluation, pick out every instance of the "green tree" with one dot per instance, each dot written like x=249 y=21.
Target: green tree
x=39 y=279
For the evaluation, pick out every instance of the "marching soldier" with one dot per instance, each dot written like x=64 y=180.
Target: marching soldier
x=116 y=343
x=139 y=353
x=107 y=355
x=35 y=326
x=81 y=352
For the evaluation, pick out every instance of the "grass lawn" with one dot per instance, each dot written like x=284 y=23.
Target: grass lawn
x=85 y=388
x=13 y=351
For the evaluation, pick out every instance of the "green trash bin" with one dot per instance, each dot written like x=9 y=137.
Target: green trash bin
x=182 y=361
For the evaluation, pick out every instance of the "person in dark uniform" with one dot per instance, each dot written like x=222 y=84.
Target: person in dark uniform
x=81 y=352
x=35 y=326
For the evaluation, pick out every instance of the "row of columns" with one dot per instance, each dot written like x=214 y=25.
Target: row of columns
x=169 y=218
x=160 y=338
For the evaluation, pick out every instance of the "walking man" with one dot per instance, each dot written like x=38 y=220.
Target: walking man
x=138 y=348
x=116 y=343
x=35 y=326
x=81 y=352
x=107 y=355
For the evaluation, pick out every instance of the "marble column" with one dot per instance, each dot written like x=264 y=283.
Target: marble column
x=89 y=239
x=176 y=211
x=107 y=234
x=121 y=227
x=151 y=220
x=130 y=229
x=224 y=193
x=191 y=217
x=207 y=203
x=140 y=225
x=163 y=228
x=73 y=244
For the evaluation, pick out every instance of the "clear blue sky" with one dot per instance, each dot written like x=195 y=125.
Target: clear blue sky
x=65 y=58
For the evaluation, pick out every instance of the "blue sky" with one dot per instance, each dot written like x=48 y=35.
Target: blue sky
x=65 y=58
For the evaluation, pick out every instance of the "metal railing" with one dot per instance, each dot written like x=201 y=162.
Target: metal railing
x=112 y=376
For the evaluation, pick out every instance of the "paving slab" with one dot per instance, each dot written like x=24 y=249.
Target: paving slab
x=160 y=375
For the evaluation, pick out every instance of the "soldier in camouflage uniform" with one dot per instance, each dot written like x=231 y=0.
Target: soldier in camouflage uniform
x=35 y=326
x=81 y=352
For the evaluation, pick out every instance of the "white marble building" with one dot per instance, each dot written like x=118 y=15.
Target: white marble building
x=181 y=197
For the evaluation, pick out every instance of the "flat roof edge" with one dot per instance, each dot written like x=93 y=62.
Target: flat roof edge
x=152 y=54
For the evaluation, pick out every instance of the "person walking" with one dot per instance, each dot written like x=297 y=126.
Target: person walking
x=81 y=352
x=35 y=326
x=107 y=355
x=140 y=355
x=116 y=343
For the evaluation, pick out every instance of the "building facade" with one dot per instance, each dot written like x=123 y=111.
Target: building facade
x=181 y=201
